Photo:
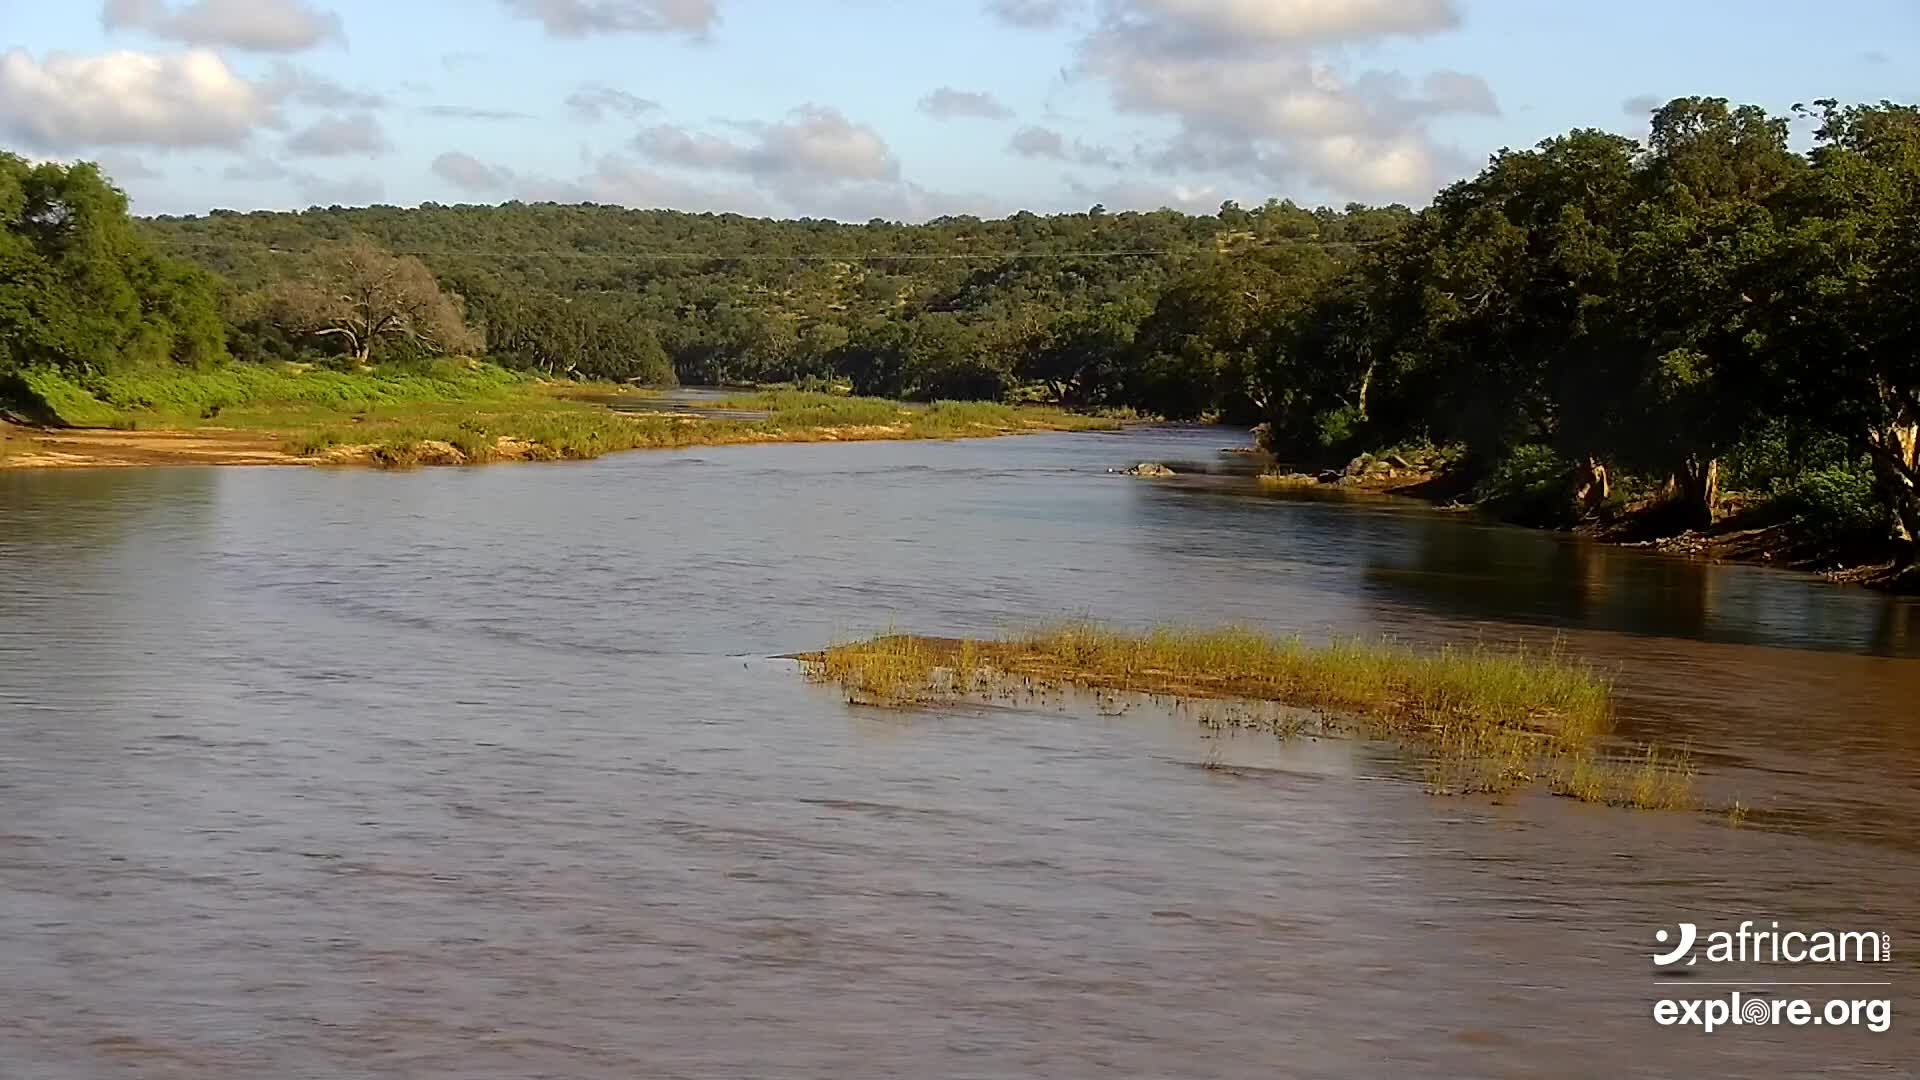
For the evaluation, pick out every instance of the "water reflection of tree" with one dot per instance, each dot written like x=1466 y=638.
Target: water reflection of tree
x=1897 y=631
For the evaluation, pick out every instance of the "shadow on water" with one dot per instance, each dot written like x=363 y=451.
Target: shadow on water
x=1461 y=567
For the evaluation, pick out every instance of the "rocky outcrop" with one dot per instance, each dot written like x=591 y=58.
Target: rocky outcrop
x=1149 y=468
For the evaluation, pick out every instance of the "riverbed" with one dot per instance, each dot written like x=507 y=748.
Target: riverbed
x=495 y=772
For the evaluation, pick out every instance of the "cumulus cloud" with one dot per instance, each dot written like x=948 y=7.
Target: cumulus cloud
x=292 y=83
x=1247 y=85
x=1031 y=14
x=583 y=18
x=340 y=136
x=1040 y=142
x=469 y=173
x=620 y=181
x=127 y=99
x=813 y=144
x=1205 y=23
x=595 y=102
x=468 y=112
x=257 y=25
x=947 y=103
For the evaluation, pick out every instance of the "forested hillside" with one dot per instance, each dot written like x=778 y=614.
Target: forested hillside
x=946 y=309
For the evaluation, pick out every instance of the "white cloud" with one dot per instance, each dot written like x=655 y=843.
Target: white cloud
x=619 y=181
x=257 y=25
x=814 y=144
x=594 y=101
x=1031 y=14
x=1284 y=21
x=340 y=136
x=127 y=99
x=582 y=18
x=468 y=112
x=1133 y=195
x=291 y=82
x=1040 y=142
x=469 y=173
x=946 y=103
x=1244 y=82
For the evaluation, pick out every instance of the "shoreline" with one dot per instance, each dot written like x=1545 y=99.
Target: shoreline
x=26 y=447
x=1736 y=539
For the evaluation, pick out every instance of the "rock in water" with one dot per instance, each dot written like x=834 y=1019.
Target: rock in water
x=1148 y=468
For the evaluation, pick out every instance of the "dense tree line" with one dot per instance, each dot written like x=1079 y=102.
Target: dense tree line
x=955 y=307
x=1591 y=309
x=1590 y=320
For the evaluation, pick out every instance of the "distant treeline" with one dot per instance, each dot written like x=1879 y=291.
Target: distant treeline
x=955 y=308
x=1588 y=322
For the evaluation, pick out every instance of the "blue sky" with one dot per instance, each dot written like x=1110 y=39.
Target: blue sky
x=862 y=108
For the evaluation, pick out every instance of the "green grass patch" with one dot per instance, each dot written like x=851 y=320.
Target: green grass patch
x=252 y=395
x=467 y=412
x=792 y=410
x=1482 y=719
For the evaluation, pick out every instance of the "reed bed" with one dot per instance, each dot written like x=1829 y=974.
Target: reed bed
x=1482 y=719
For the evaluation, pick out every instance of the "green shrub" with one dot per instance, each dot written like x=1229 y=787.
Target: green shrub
x=1532 y=484
x=1337 y=428
x=1778 y=454
x=1835 y=502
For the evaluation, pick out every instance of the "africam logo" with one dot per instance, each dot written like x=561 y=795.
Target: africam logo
x=1773 y=946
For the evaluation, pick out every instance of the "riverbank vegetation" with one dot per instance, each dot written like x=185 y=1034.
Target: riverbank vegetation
x=459 y=412
x=1482 y=720
x=1660 y=336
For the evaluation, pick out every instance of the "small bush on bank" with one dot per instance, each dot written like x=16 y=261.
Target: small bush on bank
x=1531 y=485
x=1834 y=503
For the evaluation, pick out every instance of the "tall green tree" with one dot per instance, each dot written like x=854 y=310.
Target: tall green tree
x=81 y=289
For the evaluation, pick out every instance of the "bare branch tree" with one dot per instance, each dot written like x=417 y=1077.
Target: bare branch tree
x=361 y=293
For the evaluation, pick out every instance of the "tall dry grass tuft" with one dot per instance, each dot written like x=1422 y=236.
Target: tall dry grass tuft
x=1483 y=719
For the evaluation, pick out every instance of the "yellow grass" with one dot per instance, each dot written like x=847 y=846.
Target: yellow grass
x=1483 y=719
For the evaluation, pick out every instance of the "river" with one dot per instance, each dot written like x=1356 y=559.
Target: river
x=495 y=773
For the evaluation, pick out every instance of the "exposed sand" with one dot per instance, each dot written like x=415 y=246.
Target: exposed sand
x=42 y=448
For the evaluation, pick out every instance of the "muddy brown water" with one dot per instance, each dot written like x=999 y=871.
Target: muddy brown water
x=489 y=773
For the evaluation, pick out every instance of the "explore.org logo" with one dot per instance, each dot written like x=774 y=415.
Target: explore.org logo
x=1762 y=1003
x=1747 y=945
